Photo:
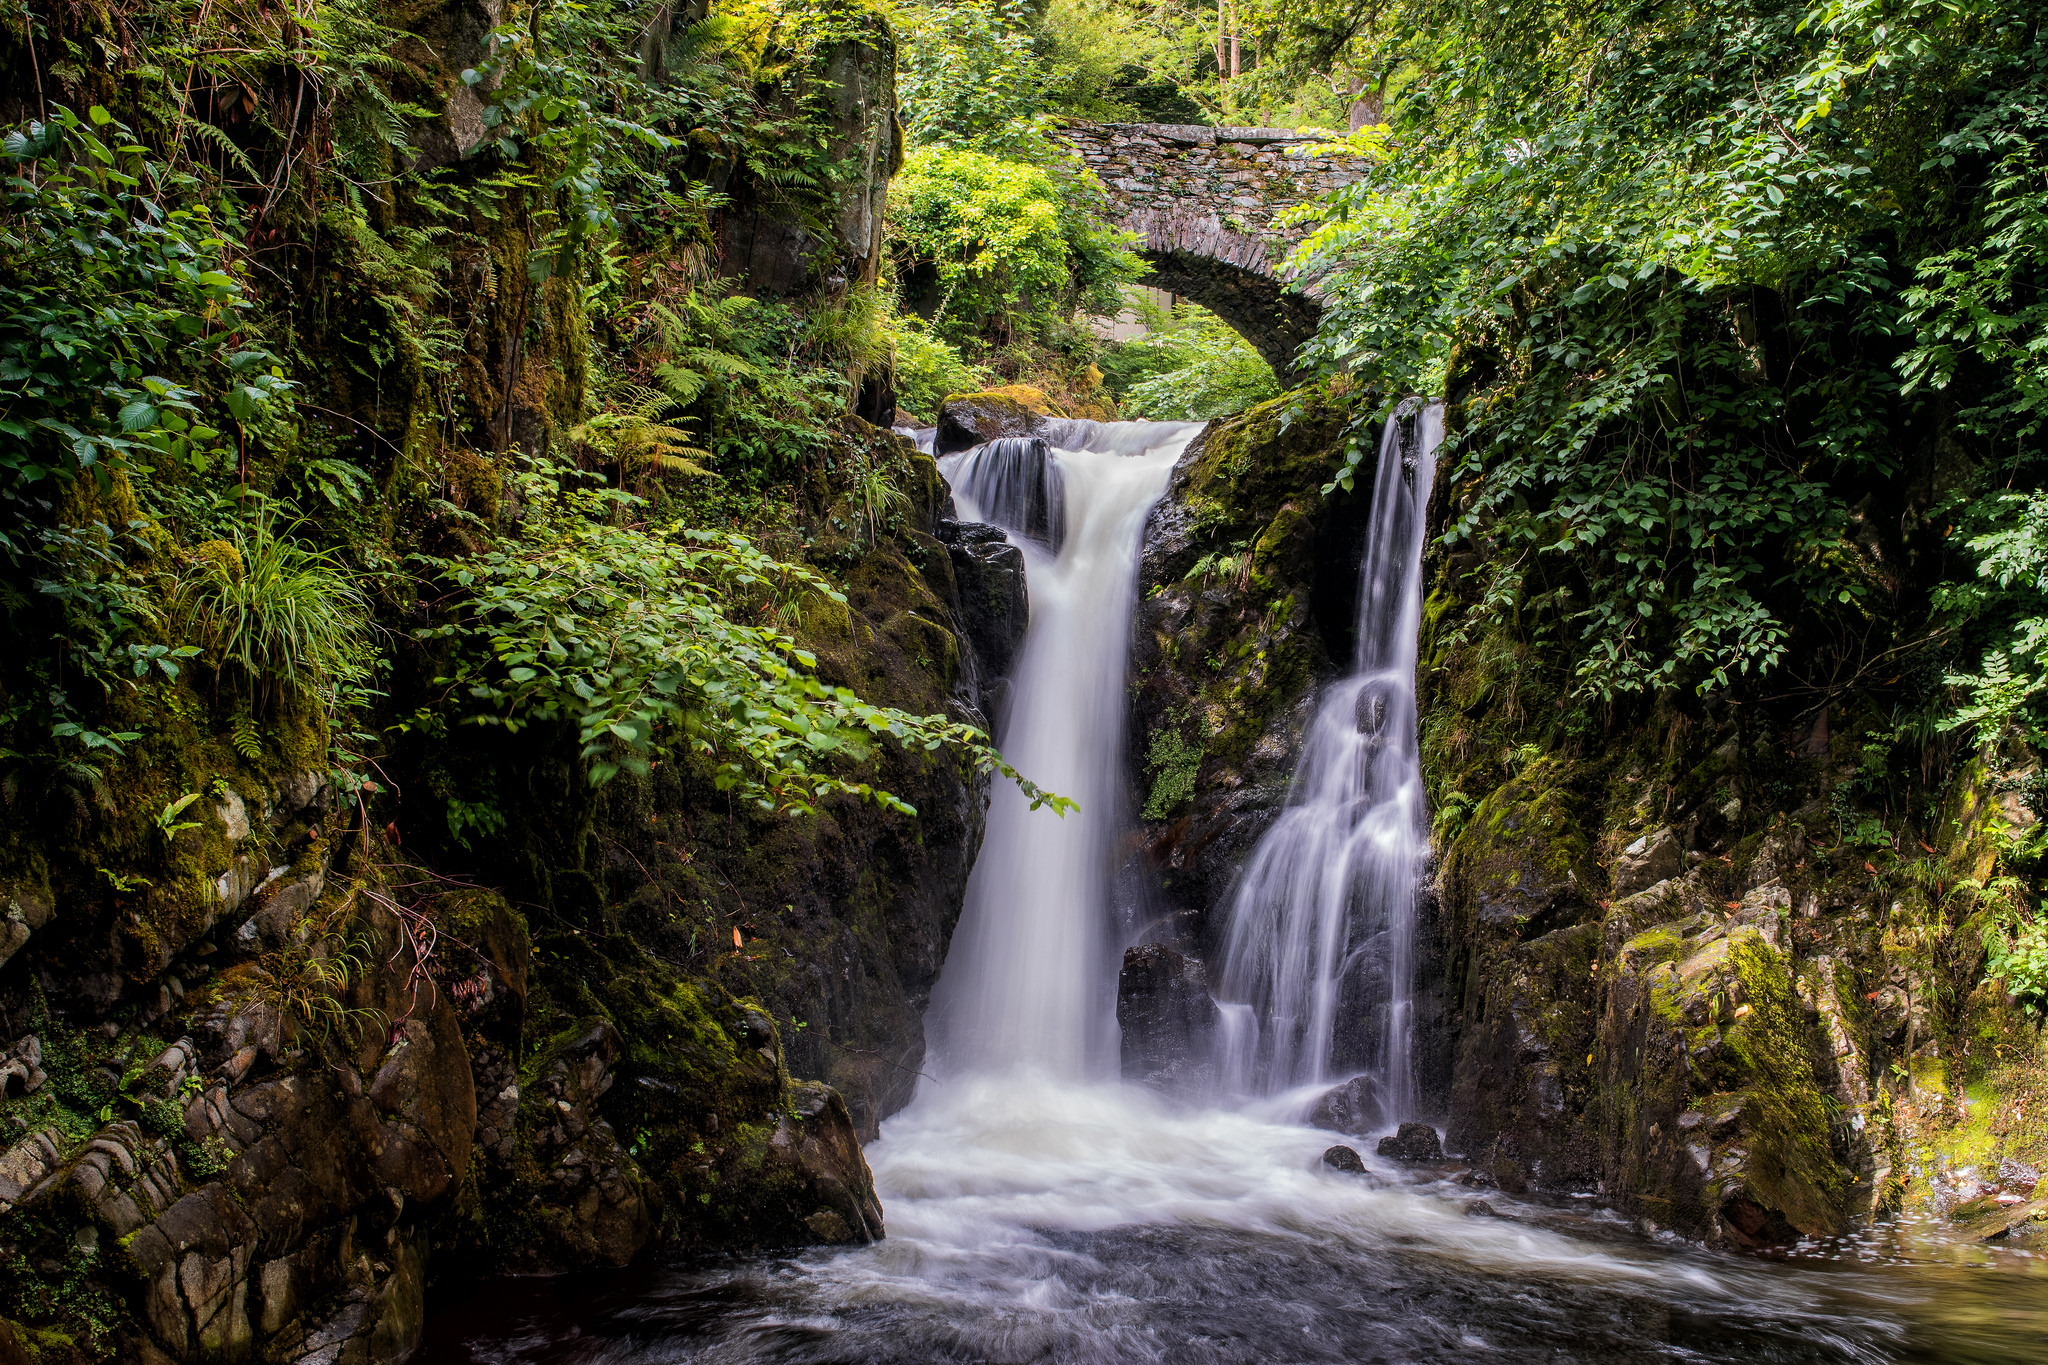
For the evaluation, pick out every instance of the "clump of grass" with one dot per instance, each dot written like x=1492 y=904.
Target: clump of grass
x=280 y=615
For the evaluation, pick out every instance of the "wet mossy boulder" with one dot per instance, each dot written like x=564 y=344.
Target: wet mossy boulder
x=970 y=419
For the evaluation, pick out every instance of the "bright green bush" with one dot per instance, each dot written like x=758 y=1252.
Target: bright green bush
x=927 y=369
x=1194 y=368
x=1016 y=246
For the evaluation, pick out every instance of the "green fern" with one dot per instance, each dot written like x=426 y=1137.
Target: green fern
x=218 y=137
x=247 y=739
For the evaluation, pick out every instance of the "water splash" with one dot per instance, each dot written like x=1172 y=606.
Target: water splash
x=1029 y=981
x=1323 y=917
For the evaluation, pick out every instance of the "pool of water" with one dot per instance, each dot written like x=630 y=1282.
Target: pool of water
x=1037 y=1222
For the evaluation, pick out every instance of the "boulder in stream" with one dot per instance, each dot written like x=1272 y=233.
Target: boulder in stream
x=1167 y=1015
x=1342 y=1158
x=1414 y=1142
x=1353 y=1107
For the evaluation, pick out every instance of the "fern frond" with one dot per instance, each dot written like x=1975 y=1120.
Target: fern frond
x=219 y=138
x=246 y=738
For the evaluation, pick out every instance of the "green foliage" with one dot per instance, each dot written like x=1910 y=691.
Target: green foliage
x=1671 y=253
x=1015 y=246
x=1190 y=367
x=164 y=1118
x=167 y=822
x=2017 y=958
x=631 y=635
x=967 y=75
x=284 y=617
x=1172 y=763
x=206 y=1159
x=877 y=498
x=928 y=369
x=307 y=981
x=117 y=275
x=2009 y=599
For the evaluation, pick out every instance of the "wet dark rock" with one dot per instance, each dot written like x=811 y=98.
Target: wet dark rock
x=1353 y=1107
x=1479 y=1208
x=972 y=419
x=1749 y=1224
x=994 y=598
x=1412 y=1142
x=1167 y=1015
x=1341 y=1158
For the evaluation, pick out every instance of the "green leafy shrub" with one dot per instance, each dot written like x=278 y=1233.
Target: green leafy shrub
x=117 y=276
x=1672 y=257
x=928 y=369
x=633 y=636
x=1015 y=246
x=1191 y=368
x=2018 y=959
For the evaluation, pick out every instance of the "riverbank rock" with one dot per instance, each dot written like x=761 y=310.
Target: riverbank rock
x=1167 y=1015
x=1655 y=857
x=1413 y=1142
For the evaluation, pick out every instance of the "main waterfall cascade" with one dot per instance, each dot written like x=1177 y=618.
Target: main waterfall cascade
x=1029 y=980
x=1323 y=917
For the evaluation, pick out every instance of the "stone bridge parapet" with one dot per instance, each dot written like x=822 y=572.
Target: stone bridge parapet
x=1202 y=203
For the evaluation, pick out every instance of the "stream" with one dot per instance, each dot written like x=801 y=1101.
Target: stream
x=1040 y=1211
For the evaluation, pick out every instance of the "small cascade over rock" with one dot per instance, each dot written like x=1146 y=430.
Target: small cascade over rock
x=1322 y=921
x=1015 y=483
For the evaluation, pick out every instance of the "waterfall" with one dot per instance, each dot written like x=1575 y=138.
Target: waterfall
x=1017 y=484
x=1029 y=982
x=1322 y=920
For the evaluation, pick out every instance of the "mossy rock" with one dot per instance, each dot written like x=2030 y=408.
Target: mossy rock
x=968 y=419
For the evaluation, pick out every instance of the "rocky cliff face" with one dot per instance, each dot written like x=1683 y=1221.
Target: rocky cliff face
x=278 y=1059
x=1245 y=607
x=255 y=1108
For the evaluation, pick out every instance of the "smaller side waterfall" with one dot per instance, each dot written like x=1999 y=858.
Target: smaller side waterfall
x=1323 y=918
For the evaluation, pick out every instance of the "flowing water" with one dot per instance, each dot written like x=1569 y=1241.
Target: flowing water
x=1324 y=912
x=1039 y=1211
x=1029 y=981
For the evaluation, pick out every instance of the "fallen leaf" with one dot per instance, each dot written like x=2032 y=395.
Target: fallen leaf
x=1868 y=868
x=736 y=942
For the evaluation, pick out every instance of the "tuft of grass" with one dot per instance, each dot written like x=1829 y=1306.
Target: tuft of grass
x=283 y=616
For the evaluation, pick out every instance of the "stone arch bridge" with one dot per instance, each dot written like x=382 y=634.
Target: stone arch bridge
x=1202 y=202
